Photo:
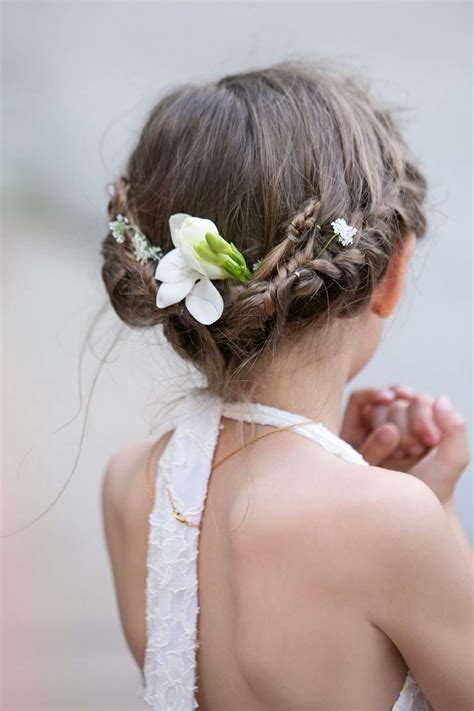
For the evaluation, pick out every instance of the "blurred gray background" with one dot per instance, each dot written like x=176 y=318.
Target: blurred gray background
x=78 y=81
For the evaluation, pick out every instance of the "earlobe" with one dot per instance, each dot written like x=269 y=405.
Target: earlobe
x=387 y=293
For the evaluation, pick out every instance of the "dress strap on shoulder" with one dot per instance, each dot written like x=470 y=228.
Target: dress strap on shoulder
x=315 y=431
x=172 y=576
x=187 y=464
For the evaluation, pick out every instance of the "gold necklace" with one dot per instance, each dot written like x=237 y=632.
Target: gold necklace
x=177 y=514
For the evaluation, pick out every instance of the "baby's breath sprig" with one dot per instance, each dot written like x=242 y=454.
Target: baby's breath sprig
x=143 y=250
x=343 y=232
x=118 y=227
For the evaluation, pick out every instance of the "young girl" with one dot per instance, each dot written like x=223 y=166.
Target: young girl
x=266 y=221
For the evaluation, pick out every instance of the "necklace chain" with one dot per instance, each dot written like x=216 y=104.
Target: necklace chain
x=177 y=514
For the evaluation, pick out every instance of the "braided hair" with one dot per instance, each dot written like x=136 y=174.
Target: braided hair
x=272 y=157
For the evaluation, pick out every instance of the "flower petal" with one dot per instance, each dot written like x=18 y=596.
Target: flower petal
x=206 y=268
x=190 y=258
x=190 y=232
x=204 y=302
x=170 y=293
x=193 y=229
x=172 y=267
x=175 y=223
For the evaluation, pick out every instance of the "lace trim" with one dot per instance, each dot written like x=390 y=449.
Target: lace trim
x=411 y=697
x=317 y=432
x=172 y=580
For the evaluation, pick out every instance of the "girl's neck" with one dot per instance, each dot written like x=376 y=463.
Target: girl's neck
x=309 y=396
x=299 y=380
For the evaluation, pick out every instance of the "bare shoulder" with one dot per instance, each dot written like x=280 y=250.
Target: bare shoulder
x=123 y=486
x=367 y=523
x=395 y=514
x=411 y=526
x=410 y=549
x=400 y=500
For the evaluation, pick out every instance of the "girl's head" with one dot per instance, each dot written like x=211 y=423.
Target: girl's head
x=272 y=157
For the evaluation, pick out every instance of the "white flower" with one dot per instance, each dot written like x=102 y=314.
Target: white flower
x=344 y=231
x=184 y=275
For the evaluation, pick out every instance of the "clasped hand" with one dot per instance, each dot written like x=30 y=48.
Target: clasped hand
x=397 y=429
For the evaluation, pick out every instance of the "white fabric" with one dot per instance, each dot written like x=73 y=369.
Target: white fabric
x=172 y=583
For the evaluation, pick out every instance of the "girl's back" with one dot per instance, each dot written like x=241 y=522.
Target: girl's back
x=287 y=571
x=291 y=586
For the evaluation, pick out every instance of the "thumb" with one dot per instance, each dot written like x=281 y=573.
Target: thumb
x=380 y=444
x=452 y=453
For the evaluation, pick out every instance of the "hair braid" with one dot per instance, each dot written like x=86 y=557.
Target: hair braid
x=301 y=226
x=281 y=290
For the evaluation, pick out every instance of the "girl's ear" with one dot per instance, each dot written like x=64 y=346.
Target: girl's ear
x=388 y=292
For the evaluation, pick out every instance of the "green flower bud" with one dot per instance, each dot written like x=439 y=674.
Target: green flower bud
x=204 y=252
x=218 y=244
x=215 y=250
x=236 y=255
x=236 y=270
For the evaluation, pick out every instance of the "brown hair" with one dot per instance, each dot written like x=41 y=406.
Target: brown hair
x=272 y=157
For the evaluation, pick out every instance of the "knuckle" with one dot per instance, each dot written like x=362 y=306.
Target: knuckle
x=418 y=426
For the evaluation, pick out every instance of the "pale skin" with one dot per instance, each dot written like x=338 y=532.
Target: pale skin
x=322 y=586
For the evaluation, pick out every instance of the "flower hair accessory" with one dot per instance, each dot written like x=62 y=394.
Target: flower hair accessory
x=200 y=256
x=342 y=231
x=142 y=248
x=345 y=233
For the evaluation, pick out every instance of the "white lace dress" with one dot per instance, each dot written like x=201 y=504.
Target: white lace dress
x=172 y=582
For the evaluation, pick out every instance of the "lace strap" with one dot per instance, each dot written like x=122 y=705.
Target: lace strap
x=172 y=578
x=317 y=432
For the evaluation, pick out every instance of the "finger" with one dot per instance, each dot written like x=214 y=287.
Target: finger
x=398 y=415
x=380 y=444
x=452 y=453
x=375 y=415
x=416 y=450
x=369 y=396
x=354 y=428
x=421 y=420
x=405 y=392
x=399 y=453
x=396 y=412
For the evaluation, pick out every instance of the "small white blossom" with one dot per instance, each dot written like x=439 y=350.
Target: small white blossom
x=118 y=228
x=345 y=233
x=143 y=250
